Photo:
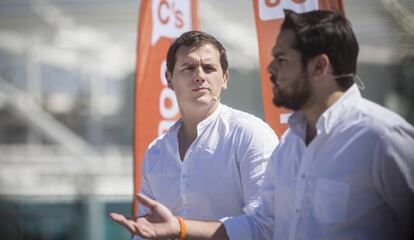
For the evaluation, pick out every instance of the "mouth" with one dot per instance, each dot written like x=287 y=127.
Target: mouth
x=273 y=79
x=200 y=89
x=275 y=87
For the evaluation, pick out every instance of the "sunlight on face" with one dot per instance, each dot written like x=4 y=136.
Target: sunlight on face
x=198 y=77
x=291 y=86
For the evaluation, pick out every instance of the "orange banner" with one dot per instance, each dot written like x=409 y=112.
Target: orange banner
x=269 y=16
x=156 y=108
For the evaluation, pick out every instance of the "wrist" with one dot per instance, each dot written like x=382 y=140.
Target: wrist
x=182 y=231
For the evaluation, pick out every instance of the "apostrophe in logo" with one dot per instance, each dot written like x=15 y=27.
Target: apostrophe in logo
x=170 y=18
x=273 y=9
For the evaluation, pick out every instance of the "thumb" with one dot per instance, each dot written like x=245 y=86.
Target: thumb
x=146 y=201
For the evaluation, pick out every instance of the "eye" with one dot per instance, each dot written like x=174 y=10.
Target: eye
x=209 y=68
x=281 y=60
x=188 y=68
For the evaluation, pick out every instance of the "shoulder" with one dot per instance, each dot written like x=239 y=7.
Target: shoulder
x=157 y=152
x=157 y=143
x=392 y=151
x=162 y=142
x=379 y=120
x=392 y=137
x=240 y=121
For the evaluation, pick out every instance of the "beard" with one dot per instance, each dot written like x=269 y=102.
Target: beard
x=295 y=99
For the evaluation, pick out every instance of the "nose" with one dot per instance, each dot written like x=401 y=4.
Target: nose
x=272 y=68
x=273 y=72
x=199 y=77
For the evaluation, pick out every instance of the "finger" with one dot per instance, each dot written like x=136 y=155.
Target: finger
x=146 y=201
x=117 y=217
x=135 y=218
x=120 y=219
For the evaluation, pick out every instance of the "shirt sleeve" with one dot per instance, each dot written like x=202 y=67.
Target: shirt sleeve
x=394 y=174
x=260 y=223
x=257 y=142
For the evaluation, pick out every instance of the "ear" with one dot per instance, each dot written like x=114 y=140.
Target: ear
x=226 y=77
x=168 y=77
x=319 y=66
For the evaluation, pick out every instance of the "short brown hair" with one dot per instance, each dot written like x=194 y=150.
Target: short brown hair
x=325 y=32
x=195 y=39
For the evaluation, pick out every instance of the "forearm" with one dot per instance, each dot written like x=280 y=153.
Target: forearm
x=160 y=223
x=198 y=230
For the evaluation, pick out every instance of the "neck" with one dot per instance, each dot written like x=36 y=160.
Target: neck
x=192 y=116
x=188 y=131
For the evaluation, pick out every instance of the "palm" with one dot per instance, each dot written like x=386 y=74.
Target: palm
x=159 y=223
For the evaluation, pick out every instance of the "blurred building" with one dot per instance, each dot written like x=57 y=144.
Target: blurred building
x=66 y=100
x=66 y=82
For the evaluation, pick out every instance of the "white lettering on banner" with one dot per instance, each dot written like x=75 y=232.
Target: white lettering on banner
x=168 y=103
x=164 y=126
x=170 y=18
x=163 y=68
x=273 y=9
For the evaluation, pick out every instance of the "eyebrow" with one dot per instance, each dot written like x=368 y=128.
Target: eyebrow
x=191 y=64
x=188 y=64
x=210 y=64
x=275 y=52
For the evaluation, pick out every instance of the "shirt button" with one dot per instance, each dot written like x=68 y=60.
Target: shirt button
x=184 y=176
x=297 y=210
x=303 y=176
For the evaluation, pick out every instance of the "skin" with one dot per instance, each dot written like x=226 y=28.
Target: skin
x=197 y=80
x=290 y=85
x=311 y=89
x=162 y=224
x=290 y=80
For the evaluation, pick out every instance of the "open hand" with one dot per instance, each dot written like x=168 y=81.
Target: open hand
x=160 y=223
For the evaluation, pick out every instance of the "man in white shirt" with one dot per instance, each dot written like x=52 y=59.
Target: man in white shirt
x=210 y=163
x=345 y=167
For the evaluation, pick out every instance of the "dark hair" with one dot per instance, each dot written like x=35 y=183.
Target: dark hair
x=325 y=32
x=195 y=39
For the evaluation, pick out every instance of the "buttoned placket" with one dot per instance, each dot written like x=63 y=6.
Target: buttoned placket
x=186 y=163
x=184 y=180
x=307 y=159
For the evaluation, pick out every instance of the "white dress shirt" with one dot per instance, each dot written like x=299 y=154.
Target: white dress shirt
x=222 y=170
x=355 y=180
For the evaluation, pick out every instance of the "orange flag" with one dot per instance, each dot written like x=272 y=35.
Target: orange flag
x=156 y=108
x=269 y=16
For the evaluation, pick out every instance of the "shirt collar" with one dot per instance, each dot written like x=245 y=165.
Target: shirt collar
x=327 y=120
x=206 y=122
x=173 y=132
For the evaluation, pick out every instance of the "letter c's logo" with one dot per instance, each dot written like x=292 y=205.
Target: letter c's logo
x=166 y=19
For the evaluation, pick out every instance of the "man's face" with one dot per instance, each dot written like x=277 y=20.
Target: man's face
x=291 y=86
x=198 y=77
